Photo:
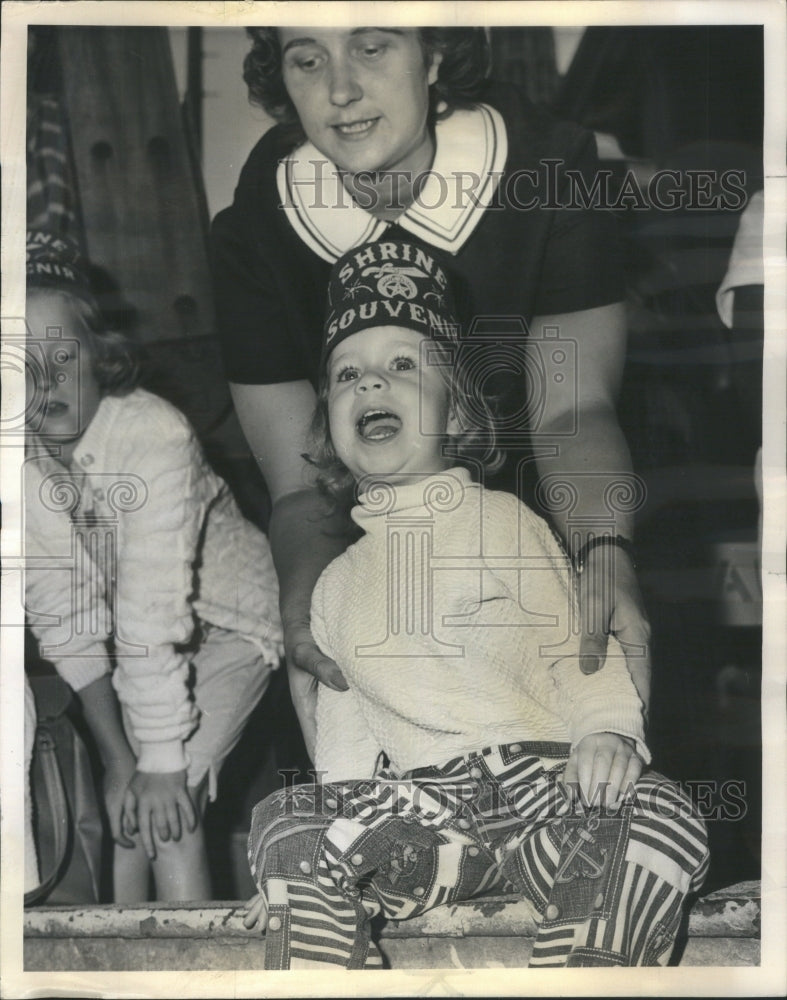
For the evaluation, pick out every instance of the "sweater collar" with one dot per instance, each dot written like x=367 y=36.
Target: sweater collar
x=444 y=491
x=469 y=144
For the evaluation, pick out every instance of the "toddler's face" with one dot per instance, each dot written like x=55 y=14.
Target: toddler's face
x=389 y=410
x=61 y=382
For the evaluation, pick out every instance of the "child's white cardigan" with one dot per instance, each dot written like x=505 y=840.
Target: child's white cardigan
x=183 y=551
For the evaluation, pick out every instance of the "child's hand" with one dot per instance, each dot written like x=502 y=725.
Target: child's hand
x=256 y=913
x=603 y=765
x=153 y=804
x=118 y=772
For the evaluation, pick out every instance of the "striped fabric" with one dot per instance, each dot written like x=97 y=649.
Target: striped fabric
x=609 y=884
x=51 y=200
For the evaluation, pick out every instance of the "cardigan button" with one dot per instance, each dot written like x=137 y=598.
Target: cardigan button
x=476 y=772
x=419 y=890
x=331 y=803
x=464 y=824
x=356 y=859
x=473 y=852
x=552 y=912
x=305 y=867
x=515 y=748
x=274 y=924
x=598 y=902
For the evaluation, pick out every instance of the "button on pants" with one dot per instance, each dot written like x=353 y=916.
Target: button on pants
x=608 y=884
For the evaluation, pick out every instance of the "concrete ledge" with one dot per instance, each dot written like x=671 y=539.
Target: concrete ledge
x=723 y=929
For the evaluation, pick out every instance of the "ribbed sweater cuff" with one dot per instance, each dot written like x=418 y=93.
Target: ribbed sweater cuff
x=605 y=715
x=162 y=758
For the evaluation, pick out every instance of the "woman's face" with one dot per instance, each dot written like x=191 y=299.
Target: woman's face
x=62 y=389
x=362 y=95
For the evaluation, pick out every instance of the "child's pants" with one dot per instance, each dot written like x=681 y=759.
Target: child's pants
x=230 y=678
x=608 y=885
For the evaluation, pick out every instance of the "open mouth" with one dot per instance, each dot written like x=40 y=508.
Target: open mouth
x=378 y=425
x=353 y=129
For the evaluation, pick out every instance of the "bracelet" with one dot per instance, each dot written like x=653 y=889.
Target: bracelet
x=580 y=556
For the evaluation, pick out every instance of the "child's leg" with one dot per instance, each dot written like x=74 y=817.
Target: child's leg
x=329 y=857
x=180 y=869
x=130 y=874
x=610 y=885
x=230 y=680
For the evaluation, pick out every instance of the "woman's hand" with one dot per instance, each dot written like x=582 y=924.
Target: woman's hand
x=303 y=654
x=602 y=768
x=610 y=601
x=152 y=807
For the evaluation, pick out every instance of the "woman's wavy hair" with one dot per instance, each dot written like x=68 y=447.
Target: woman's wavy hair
x=463 y=69
x=117 y=360
x=475 y=447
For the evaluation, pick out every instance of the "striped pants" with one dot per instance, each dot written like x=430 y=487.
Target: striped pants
x=608 y=884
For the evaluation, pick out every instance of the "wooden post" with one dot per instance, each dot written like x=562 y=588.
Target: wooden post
x=142 y=205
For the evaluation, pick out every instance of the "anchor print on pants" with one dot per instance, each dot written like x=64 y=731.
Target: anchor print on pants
x=592 y=851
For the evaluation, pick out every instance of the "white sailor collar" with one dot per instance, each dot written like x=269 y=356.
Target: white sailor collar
x=469 y=144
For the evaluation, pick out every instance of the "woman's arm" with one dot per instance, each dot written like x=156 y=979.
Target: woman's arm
x=581 y=443
x=304 y=536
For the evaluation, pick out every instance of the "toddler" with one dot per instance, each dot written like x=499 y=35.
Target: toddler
x=450 y=618
x=137 y=556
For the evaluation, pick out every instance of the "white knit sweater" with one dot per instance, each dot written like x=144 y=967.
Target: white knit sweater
x=165 y=544
x=451 y=619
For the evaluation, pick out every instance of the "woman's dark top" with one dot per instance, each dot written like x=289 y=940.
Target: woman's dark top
x=524 y=251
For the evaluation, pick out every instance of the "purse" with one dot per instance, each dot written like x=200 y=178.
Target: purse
x=67 y=822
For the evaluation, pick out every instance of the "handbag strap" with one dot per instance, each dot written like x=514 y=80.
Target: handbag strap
x=58 y=804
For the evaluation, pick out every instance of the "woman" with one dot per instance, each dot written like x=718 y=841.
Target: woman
x=391 y=133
